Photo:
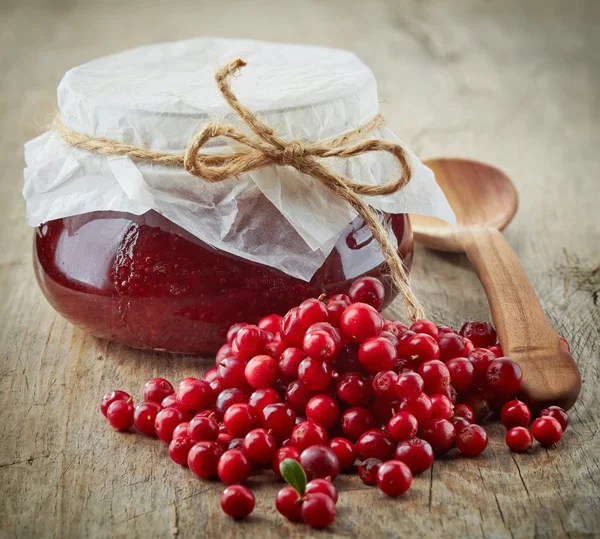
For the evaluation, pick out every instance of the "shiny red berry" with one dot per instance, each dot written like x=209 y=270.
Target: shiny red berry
x=504 y=376
x=403 y=426
x=417 y=454
x=318 y=510
x=557 y=413
x=288 y=503
x=547 y=431
x=249 y=341
x=203 y=459
x=464 y=411
x=322 y=341
x=270 y=323
x=120 y=415
x=377 y=354
x=420 y=407
x=287 y=452
x=345 y=452
x=194 y=394
x=279 y=419
x=384 y=385
x=240 y=419
x=312 y=311
x=324 y=410
x=451 y=346
x=440 y=434
x=111 y=397
x=289 y=361
x=355 y=421
x=179 y=449
x=519 y=439
x=481 y=334
x=308 y=433
x=261 y=371
x=394 y=478
x=259 y=446
x=202 y=428
x=375 y=443
x=367 y=290
x=227 y=398
x=462 y=373
x=297 y=396
x=320 y=461
x=145 y=416
x=324 y=486
x=354 y=389
x=471 y=440
x=481 y=359
x=409 y=385
x=425 y=326
x=360 y=321
x=166 y=421
x=435 y=376
x=237 y=501
x=515 y=414
x=441 y=407
x=234 y=467
x=157 y=389
x=314 y=374
x=420 y=347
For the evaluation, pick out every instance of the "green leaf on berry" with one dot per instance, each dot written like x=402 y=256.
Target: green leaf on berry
x=294 y=475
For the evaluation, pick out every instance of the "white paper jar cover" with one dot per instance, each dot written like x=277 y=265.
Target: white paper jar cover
x=159 y=96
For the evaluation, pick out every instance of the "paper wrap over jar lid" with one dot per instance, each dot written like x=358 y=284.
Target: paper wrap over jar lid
x=160 y=96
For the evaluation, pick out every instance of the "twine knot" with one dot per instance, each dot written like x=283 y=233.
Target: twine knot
x=266 y=149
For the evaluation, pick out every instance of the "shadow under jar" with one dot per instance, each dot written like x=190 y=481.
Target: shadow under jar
x=145 y=282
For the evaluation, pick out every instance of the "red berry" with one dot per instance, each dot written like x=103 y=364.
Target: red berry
x=403 y=426
x=270 y=323
x=394 y=478
x=194 y=394
x=240 y=419
x=384 y=385
x=557 y=413
x=179 y=449
x=420 y=347
x=441 y=407
x=308 y=433
x=451 y=346
x=335 y=308
x=289 y=361
x=297 y=396
x=279 y=419
x=519 y=439
x=444 y=330
x=374 y=443
x=504 y=376
x=111 y=397
x=324 y=486
x=276 y=347
x=459 y=423
x=324 y=410
x=481 y=359
x=222 y=353
x=318 y=510
x=435 y=376
x=261 y=371
x=233 y=467
x=464 y=411
x=180 y=430
x=479 y=403
x=440 y=434
x=203 y=459
x=450 y=393
x=314 y=374
x=546 y=430
x=288 y=504
x=312 y=311
x=462 y=373
x=481 y=334
x=166 y=421
x=417 y=454
x=323 y=342
x=292 y=330
x=157 y=389
x=227 y=398
x=202 y=428
x=261 y=398
x=249 y=341
x=367 y=290
x=320 y=461
x=144 y=417
x=360 y=321
x=377 y=354
x=425 y=326
x=471 y=440
x=409 y=386
x=120 y=415
x=237 y=501
x=233 y=331
x=367 y=471
x=287 y=452
x=496 y=350
x=420 y=407
x=515 y=414
x=355 y=421
x=345 y=452
x=354 y=389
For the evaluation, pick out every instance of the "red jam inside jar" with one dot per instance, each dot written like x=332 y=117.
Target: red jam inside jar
x=145 y=282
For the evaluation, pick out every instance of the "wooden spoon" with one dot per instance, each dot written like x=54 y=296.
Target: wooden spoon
x=484 y=201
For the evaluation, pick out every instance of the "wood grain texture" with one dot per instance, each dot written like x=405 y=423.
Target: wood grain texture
x=509 y=82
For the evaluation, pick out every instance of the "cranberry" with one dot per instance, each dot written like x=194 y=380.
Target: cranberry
x=450 y=393
x=481 y=334
x=270 y=323
x=479 y=403
x=504 y=376
x=403 y=426
x=557 y=413
x=233 y=467
x=355 y=421
x=435 y=376
x=261 y=371
x=249 y=341
x=324 y=486
x=314 y=374
x=409 y=386
x=233 y=331
x=515 y=414
x=203 y=459
x=223 y=352
x=546 y=430
x=224 y=439
x=417 y=454
x=179 y=449
x=318 y=510
x=395 y=327
x=229 y=397
x=289 y=361
x=384 y=385
x=203 y=428
x=367 y=290
x=297 y=396
x=471 y=440
x=263 y=397
x=324 y=410
x=367 y=471
x=459 y=423
x=441 y=407
x=209 y=376
x=235 y=443
x=461 y=373
x=276 y=347
x=354 y=389
x=166 y=421
x=341 y=297
x=519 y=439
x=481 y=359
x=240 y=419
x=323 y=342
x=144 y=417
x=312 y=311
x=444 y=330
x=392 y=338
x=120 y=415
x=237 y=501
x=394 y=478
x=320 y=461
x=360 y=321
x=180 y=430
x=292 y=330
x=374 y=444
x=420 y=407
x=425 y=326
x=420 y=347
x=451 y=346
x=157 y=389
x=464 y=411
x=279 y=419
x=345 y=452
x=377 y=354
x=440 y=434
x=288 y=504
x=194 y=394
x=335 y=308
x=111 y=397
x=287 y=452
x=308 y=433
x=171 y=402
x=496 y=350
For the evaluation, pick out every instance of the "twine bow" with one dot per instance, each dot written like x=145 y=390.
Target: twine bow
x=267 y=149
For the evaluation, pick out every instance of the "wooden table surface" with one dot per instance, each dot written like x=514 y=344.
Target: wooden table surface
x=512 y=82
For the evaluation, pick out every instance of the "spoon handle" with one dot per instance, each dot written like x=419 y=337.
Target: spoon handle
x=550 y=374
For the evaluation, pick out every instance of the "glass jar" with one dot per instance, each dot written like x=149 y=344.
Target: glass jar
x=146 y=282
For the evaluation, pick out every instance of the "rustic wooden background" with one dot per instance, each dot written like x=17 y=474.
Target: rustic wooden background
x=512 y=82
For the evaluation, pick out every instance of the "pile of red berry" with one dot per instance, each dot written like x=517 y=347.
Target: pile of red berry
x=330 y=385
